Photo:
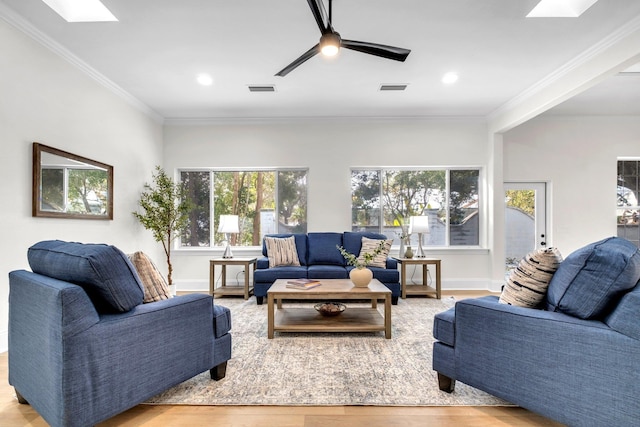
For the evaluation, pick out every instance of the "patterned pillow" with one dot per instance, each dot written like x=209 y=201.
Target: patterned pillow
x=154 y=285
x=370 y=245
x=281 y=251
x=527 y=285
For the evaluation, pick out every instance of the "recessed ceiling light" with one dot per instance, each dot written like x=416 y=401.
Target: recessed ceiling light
x=81 y=10
x=205 y=79
x=560 y=8
x=450 y=78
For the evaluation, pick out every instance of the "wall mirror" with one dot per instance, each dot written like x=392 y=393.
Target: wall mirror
x=66 y=185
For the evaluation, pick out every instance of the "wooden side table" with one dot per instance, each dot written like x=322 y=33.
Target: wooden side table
x=423 y=289
x=223 y=289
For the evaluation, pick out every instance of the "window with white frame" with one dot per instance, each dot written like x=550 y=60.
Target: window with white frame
x=384 y=200
x=628 y=207
x=266 y=201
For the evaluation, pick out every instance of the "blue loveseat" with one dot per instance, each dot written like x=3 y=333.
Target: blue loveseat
x=576 y=361
x=82 y=345
x=320 y=259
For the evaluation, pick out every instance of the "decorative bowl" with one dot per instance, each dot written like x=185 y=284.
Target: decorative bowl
x=330 y=309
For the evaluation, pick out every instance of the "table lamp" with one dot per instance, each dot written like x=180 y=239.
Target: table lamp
x=420 y=225
x=228 y=224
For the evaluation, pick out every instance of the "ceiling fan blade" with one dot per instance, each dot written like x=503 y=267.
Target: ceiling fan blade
x=319 y=12
x=303 y=58
x=389 y=52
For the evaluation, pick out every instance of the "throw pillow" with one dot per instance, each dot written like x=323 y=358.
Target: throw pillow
x=155 y=286
x=527 y=285
x=370 y=245
x=103 y=271
x=593 y=279
x=281 y=251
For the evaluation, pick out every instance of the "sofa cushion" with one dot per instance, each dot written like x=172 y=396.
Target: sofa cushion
x=384 y=275
x=301 y=245
x=155 y=286
x=323 y=249
x=592 y=279
x=270 y=275
x=528 y=282
x=327 y=272
x=281 y=251
x=103 y=271
x=625 y=317
x=370 y=246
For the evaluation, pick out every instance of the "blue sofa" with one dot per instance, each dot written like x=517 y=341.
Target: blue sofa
x=575 y=361
x=82 y=345
x=320 y=259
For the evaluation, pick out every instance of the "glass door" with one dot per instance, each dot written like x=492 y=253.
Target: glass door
x=525 y=220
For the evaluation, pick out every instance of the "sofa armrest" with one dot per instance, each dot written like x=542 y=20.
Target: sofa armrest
x=392 y=263
x=262 y=263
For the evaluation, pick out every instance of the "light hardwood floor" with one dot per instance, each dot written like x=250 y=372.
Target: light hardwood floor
x=13 y=414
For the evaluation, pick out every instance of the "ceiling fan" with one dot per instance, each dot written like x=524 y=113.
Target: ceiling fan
x=331 y=42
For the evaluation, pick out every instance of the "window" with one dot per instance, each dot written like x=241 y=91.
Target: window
x=628 y=209
x=266 y=201
x=384 y=200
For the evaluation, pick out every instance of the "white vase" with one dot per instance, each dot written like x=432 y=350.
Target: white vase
x=361 y=277
x=172 y=290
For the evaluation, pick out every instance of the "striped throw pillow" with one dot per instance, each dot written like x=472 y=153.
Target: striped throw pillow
x=282 y=251
x=154 y=285
x=370 y=245
x=527 y=284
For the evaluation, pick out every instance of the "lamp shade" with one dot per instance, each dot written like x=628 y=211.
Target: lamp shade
x=228 y=224
x=419 y=224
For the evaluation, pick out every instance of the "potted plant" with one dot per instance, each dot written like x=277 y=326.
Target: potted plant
x=361 y=275
x=165 y=209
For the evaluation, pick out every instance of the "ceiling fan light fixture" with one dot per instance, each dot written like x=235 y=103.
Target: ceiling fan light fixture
x=330 y=44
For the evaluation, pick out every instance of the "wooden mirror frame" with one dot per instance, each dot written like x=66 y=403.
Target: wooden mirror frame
x=37 y=210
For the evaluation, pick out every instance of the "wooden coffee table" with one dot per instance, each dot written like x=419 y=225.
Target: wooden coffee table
x=353 y=319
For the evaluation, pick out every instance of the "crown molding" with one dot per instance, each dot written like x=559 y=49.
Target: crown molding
x=208 y=121
x=27 y=28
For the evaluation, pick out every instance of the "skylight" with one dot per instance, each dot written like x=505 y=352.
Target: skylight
x=560 y=8
x=81 y=10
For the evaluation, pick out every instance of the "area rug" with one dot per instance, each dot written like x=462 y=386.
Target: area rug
x=328 y=369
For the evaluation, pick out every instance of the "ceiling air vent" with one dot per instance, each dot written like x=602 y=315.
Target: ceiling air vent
x=262 y=88
x=392 y=87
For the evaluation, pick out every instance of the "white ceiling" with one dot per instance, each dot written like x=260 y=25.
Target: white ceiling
x=158 y=47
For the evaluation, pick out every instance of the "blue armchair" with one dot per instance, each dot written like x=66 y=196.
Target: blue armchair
x=576 y=362
x=83 y=347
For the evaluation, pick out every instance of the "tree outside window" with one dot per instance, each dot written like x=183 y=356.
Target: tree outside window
x=384 y=200
x=253 y=196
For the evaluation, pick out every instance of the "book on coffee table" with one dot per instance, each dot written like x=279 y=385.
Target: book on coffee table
x=302 y=283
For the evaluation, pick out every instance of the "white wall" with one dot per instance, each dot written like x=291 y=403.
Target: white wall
x=578 y=155
x=330 y=148
x=47 y=100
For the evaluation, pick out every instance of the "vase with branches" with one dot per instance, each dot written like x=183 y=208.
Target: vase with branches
x=361 y=275
x=165 y=211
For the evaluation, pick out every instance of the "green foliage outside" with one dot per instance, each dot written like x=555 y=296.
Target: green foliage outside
x=165 y=211
x=410 y=193
x=246 y=194
x=525 y=200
